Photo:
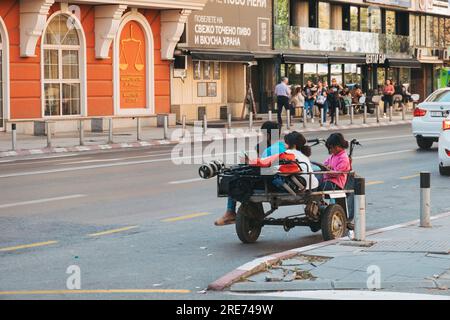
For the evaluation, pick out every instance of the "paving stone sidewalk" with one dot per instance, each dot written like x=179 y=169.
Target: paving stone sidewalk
x=127 y=138
x=407 y=259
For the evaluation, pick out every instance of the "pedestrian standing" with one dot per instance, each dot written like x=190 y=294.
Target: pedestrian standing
x=333 y=98
x=283 y=93
x=321 y=101
x=388 y=96
x=310 y=96
x=298 y=101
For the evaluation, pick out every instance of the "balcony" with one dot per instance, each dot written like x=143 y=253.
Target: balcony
x=291 y=38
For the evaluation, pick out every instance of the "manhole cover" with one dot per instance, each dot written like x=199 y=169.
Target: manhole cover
x=432 y=246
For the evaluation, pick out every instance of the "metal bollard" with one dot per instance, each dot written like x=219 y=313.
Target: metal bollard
x=110 y=131
x=403 y=111
x=351 y=114
x=390 y=113
x=49 y=134
x=305 y=118
x=270 y=115
x=138 y=129
x=183 y=126
x=322 y=113
x=166 y=127
x=425 y=199
x=250 y=121
x=336 y=116
x=288 y=119
x=81 y=128
x=360 y=209
x=205 y=124
x=13 y=137
x=365 y=114
x=229 y=122
x=377 y=112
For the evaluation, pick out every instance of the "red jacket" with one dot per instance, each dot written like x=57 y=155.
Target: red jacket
x=289 y=168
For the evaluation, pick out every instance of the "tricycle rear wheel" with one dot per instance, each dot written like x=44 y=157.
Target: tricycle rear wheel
x=249 y=222
x=333 y=222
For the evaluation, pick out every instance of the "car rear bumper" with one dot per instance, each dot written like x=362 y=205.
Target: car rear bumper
x=425 y=129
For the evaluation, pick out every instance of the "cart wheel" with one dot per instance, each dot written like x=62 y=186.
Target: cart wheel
x=248 y=222
x=333 y=222
x=315 y=226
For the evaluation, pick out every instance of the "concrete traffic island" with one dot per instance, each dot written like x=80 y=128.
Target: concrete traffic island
x=404 y=258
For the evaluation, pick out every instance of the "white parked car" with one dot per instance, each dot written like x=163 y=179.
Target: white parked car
x=428 y=117
x=444 y=148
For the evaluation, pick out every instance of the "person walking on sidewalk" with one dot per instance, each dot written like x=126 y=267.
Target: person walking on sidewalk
x=309 y=91
x=333 y=98
x=321 y=101
x=283 y=93
x=388 y=96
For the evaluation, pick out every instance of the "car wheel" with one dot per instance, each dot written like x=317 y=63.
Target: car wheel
x=444 y=171
x=424 y=143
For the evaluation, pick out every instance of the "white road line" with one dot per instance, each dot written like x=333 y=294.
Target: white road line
x=25 y=203
x=41 y=159
x=117 y=164
x=386 y=138
x=348 y=295
x=381 y=154
x=186 y=181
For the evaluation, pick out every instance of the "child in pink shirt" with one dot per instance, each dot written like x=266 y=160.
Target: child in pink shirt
x=338 y=161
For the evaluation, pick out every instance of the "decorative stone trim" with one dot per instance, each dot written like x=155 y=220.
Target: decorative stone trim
x=33 y=18
x=172 y=27
x=107 y=22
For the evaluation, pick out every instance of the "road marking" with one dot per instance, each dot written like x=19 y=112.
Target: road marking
x=25 y=203
x=385 y=138
x=372 y=183
x=26 y=246
x=186 y=181
x=376 y=155
x=410 y=177
x=46 y=292
x=109 y=165
x=103 y=233
x=186 y=217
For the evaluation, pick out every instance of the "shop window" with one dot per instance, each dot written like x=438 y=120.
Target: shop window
x=412 y=30
x=364 y=19
x=324 y=15
x=197 y=66
x=441 y=32
x=354 y=19
x=435 y=32
x=405 y=76
x=206 y=70
x=390 y=22
x=352 y=74
x=61 y=61
x=217 y=71
x=447 y=32
x=281 y=16
x=429 y=42
x=336 y=73
x=374 y=20
x=423 y=28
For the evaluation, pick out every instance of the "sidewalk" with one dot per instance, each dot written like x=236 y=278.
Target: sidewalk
x=127 y=138
x=404 y=258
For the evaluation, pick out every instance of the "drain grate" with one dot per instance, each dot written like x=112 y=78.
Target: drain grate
x=429 y=246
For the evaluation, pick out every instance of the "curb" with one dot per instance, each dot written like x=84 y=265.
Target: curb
x=260 y=264
x=148 y=143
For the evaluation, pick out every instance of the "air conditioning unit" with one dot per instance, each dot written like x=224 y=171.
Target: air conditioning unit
x=435 y=52
x=180 y=67
x=444 y=55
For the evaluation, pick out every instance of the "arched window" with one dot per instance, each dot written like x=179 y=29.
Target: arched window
x=61 y=63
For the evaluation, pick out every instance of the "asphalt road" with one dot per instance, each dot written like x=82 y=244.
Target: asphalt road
x=134 y=222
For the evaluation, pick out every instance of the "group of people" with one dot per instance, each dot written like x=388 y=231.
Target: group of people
x=294 y=148
x=315 y=97
x=321 y=95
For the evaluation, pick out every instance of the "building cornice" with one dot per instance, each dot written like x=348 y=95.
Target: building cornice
x=151 y=4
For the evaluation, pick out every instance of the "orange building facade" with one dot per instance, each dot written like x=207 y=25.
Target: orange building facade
x=62 y=60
